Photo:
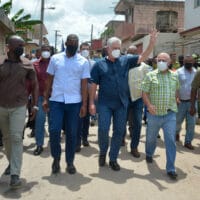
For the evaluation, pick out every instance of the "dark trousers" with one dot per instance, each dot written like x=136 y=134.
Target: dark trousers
x=57 y=112
x=83 y=129
x=137 y=110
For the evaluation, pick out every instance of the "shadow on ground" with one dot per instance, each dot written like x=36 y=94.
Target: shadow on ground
x=119 y=177
x=157 y=175
x=72 y=182
x=8 y=193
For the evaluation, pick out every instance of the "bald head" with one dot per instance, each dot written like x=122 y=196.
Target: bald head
x=132 y=50
x=72 y=37
x=165 y=57
x=71 y=44
x=15 y=46
x=14 y=39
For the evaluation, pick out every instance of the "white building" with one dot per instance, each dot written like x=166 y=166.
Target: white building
x=192 y=14
x=191 y=34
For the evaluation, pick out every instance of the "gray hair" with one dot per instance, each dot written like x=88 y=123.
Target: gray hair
x=113 y=40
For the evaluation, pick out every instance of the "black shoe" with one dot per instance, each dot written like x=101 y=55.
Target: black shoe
x=7 y=170
x=149 y=159
x=114 y=165
x=32 y=134
x=102 y=160
x=15 y=182
x=85 y=143
x=135 y=153
x=172 y=175
x=38 y=150
x=71 y=169
x=56 y=166
x=189 y=146
x=78 y=149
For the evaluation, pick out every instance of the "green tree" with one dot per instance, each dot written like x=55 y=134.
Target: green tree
x=23 y=22
x=107 y=33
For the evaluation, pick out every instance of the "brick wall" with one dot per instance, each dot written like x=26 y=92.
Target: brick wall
x=146 y=13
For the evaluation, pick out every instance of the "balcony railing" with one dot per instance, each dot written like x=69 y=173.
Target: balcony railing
x=142 y=29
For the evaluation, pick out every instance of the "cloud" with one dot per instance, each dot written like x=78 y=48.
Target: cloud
x=98 y=8
x=70 y=16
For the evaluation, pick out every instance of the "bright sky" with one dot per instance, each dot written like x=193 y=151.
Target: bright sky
x=71 y=16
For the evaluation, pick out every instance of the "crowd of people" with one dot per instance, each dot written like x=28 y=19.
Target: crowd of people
x=68 y=89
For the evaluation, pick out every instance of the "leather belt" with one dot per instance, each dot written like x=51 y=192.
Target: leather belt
x=188 y=100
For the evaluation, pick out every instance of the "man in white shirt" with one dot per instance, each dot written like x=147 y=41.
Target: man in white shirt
x=66 y=90
x=186 y=75
x=135 y=77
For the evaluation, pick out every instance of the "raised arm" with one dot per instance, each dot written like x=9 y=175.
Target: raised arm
x=153 y=37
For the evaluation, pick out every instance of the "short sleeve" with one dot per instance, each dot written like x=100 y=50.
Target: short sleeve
x=146 y=83
x=86 y=70
x=51 y=66
x=95 y=76
x=31 y=74
x=178 y=83
x=196 y=81
x=132 y=60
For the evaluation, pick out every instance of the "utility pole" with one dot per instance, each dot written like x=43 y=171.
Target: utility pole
x=91 y=37
x=56 y=37
x=42 y=22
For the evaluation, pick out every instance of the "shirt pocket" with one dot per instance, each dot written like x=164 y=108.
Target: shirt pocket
x=155 y=83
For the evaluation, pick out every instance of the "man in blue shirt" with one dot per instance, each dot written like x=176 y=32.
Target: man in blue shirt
x=111 y=74
x=66 y=90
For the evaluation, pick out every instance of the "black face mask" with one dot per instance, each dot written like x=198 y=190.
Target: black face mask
x=18 y=51
x=188 y=65
x=71 y=49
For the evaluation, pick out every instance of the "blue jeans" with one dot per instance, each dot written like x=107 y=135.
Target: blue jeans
x=137 y=110
x=71 y=112
x=119 y=123
x=39 y=123
x=168 y=124
x=184 y=113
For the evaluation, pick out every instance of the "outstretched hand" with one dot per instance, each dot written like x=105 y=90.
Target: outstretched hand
x=153 y=35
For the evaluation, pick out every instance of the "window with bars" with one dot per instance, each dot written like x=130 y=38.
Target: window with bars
x=167 y=21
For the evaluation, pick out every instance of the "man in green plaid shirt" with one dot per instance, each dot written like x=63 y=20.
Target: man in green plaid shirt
x=159 y=94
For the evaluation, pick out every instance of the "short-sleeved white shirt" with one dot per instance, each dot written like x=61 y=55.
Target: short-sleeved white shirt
x=68 y=73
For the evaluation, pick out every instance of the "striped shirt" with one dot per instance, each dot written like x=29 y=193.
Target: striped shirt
x=161 y=88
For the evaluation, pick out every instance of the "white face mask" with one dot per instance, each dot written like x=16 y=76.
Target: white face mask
x=85 y=53
x=116 y=53
x=162 y=66
x=45 y=54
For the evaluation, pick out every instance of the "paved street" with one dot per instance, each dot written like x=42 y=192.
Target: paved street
x=136 y=180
